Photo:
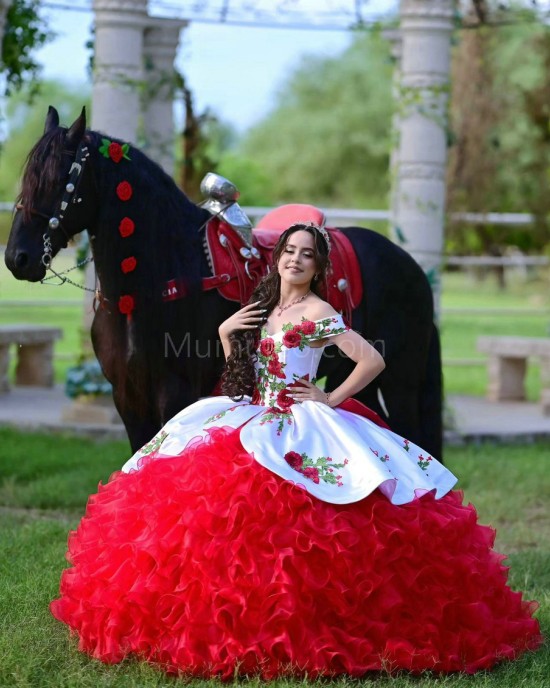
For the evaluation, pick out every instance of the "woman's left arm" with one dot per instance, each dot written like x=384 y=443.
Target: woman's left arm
x=369 y=364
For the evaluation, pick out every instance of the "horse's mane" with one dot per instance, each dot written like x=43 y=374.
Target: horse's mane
x=41 y=171
x=166 y=244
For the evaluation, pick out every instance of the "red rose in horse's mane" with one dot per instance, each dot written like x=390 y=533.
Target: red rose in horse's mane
x=124 y=191
x=115 y=151
x=126 y=227
x=126 y=304
x=128 y=264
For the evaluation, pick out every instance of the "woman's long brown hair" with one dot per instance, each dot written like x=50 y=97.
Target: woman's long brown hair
x=239 y=376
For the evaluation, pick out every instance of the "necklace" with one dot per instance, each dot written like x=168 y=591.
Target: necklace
x=293 y=303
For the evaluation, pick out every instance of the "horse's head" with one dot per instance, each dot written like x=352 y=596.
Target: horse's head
x=50 y=209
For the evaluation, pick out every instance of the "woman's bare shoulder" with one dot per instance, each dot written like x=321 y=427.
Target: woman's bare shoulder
x=319 y=309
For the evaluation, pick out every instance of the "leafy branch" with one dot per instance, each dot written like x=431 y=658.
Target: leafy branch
x=25 y=32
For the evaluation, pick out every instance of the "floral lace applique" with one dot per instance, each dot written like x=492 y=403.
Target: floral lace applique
x=298 y=336
x=316 y=470
x=326 y=327
x=219 y=415
x=424 y=463
x=271 y=369
x=274 y=414
x=154 y=444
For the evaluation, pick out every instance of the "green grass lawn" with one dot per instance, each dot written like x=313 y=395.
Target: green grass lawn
x=44 y=484
x=459 y=330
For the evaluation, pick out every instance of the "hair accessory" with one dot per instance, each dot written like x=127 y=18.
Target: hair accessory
x=322 y=231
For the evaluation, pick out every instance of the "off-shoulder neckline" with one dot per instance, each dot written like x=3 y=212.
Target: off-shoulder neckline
x=294 y=325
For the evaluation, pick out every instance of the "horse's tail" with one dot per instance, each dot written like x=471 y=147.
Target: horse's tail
x=431 y=399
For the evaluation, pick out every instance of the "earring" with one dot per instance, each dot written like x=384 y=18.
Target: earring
x=316 y=277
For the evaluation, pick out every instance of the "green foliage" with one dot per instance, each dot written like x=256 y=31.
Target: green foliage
x=329 y=132
x=25 y=124
x=25 y=31
x=86 y=379
x=250 y=177
x=500 y=159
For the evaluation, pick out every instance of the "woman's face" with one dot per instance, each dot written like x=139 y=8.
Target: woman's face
x=297 y=264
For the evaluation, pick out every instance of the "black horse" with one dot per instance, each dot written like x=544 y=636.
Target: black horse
x=162 y=356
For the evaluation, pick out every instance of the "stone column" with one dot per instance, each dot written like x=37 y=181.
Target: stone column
x=393 y=36
x=118 y=72
x=117 y=85
x=161 y=41
x=419 y=200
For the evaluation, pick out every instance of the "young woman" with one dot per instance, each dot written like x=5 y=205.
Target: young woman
x=275 y=532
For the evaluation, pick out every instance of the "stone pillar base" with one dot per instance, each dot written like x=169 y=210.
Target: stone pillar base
x=4 y=365
x=35 y=365
x=88 y=410
x=506 y=378
x=545 y=385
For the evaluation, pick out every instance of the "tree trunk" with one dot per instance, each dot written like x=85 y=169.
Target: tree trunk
x=4 y=7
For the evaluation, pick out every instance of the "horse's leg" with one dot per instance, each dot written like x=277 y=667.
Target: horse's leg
x=139 y=429
x=109 y=348
x=400 y=398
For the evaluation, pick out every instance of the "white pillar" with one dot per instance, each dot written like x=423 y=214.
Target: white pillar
x=393 y=36
x=118 y=72
x=161 y=41
x=419 y=203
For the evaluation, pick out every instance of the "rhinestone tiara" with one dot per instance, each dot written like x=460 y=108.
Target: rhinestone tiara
x=322 y=231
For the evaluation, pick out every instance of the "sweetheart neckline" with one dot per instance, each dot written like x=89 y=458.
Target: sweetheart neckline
x=289 y=323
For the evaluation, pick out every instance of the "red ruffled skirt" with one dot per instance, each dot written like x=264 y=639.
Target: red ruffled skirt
x=211 y=565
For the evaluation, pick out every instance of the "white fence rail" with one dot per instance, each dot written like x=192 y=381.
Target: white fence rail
x=333 y=214
x=256 y=212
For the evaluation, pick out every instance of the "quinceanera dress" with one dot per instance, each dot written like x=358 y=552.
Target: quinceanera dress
x=278 y=538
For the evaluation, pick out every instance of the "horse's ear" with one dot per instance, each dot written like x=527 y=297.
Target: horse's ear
x=52 y=119
x=76 y=130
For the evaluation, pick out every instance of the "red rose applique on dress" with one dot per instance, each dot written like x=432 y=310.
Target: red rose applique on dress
x=316 y=470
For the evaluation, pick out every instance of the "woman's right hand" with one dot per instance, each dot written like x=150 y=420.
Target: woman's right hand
x=247 y=318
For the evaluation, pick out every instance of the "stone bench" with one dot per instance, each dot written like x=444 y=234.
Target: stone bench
x=508 y=364
x=34 y=354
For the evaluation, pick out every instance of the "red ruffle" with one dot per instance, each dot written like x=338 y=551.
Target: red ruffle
x=211 y=565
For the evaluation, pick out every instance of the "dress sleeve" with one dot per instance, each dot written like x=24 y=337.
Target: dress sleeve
x=328 y=327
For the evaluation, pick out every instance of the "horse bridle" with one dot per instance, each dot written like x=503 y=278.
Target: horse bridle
x=70 y=194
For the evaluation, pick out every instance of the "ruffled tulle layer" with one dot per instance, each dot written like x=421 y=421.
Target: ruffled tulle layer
x=210 y=565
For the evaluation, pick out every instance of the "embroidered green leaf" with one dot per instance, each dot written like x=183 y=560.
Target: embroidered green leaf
x=154 y=444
